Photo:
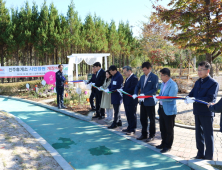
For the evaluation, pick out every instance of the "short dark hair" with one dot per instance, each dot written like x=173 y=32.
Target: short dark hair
x=97 y=64
x=112 y=68
x=206 y=64
x=128 y=68
x=107 y=71
x=165 y=71
x=60 y=65
x=147 y=65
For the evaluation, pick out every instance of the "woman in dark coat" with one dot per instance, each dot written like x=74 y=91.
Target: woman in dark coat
x=217 y=108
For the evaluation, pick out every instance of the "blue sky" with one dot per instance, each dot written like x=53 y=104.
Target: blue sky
x=132 y=10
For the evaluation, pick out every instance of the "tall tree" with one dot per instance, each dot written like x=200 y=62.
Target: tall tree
x=198 y=25
x=113 y=41
x=4 y=26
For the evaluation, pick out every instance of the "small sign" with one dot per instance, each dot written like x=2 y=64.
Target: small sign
x=43 y=82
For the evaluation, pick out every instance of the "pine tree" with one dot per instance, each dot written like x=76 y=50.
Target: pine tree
x=113 y=41
x=4 y=26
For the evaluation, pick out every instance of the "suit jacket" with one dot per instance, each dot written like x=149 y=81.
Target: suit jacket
x=171 y=89
x=150 y=88
x=217 y=108
x=59 y=79
x=100 y=78
x=129 y=87
x=116 y=83
x=92 y=80
x=206 y=91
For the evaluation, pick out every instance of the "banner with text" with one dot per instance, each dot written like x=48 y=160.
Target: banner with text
x=29 y=71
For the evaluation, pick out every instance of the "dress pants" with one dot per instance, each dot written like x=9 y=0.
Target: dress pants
x=117 y=116
x=99 y=111
x=204 y=133
x=60 y=94
x=91 y=99
x=145 y=112
x=130 y=111
x=167 y=123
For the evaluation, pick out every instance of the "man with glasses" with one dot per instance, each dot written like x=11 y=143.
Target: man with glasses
x=130 y=104
x=205 y=89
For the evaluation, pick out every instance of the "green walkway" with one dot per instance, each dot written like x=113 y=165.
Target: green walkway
x=87 y=146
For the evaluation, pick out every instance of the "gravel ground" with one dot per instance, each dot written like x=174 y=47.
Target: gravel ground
x=185 y=114
x=19 y=150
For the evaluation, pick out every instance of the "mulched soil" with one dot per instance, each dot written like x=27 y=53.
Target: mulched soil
x=81 y=109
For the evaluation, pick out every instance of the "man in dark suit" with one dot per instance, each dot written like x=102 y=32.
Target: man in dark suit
x=130 y=104
x=92 y=95
x=205 y=89
x=116 y=98
x=60 y=80
x=148 y=85
x=100 y=78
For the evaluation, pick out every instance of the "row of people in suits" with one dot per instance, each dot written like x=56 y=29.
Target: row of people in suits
x=205 y=89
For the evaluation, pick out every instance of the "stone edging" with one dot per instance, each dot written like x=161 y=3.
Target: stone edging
x=195 y=164
x=189 y=127
x=58 y=158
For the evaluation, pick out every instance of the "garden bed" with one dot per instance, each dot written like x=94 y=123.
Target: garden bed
x=81 y=109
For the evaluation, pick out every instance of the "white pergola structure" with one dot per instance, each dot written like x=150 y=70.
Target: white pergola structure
x=90 y=59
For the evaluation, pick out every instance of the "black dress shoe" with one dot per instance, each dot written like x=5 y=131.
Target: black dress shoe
x=150 y=139
x=159 y=146
x=63 y=107
x=125 y=130
x=112 y=126
x=164 y=150
x=92 y=110
x=198 y=157
x=142 y=137
x=101 y=117
x=130 y=133
x=96 y=116
x=119 y=123
x=208 y=159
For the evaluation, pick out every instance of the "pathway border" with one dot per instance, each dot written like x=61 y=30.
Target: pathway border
x=58 y=158
x=195 y=163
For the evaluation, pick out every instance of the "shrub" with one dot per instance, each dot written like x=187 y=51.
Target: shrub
x=14 y=88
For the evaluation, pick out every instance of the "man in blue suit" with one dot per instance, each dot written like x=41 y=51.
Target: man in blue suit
x=206 y=89
x=167 y=111
x=147 y=84
x=130 y=104
x=116 y=98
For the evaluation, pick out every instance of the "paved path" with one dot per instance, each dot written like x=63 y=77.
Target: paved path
x=184 y=145
x=87 y=146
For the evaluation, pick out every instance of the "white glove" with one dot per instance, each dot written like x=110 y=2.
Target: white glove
x=120 y=92
x=93 y=84
x=134 y=96
x=189 y=100
x=107 y=90
x=155 y=99
x=85 y=81
x=141 y=100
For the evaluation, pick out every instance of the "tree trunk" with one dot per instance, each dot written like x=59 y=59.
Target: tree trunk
x=56 y=55
x=209 y=60
x=113 y=59
x=30 y=55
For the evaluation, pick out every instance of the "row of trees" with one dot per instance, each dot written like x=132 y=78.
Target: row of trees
x=32 y=37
